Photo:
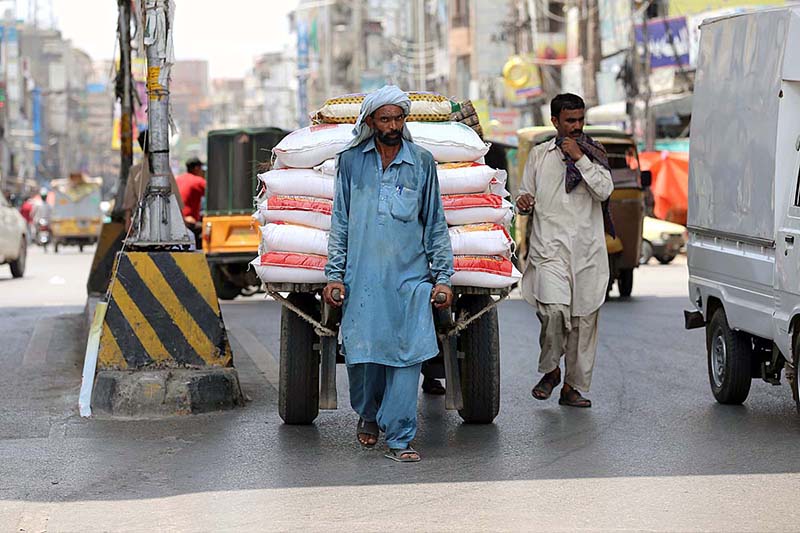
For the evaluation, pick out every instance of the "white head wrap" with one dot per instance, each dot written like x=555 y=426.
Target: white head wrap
x=386 y=95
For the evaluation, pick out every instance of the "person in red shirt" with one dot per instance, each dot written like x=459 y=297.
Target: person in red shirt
x=192 y=186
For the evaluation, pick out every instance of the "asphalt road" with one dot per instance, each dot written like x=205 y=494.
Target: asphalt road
x=655 y=452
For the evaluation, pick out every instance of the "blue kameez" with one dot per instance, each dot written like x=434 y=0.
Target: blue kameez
x=388 y=244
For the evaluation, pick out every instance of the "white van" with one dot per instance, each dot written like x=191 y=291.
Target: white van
x=744 y=200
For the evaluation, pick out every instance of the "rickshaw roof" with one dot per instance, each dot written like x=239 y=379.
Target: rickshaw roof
x=232 y=132
x=540 y=134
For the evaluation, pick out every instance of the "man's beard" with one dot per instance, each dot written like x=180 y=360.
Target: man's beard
x=390 y=139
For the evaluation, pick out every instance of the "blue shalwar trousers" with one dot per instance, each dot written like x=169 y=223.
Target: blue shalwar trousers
x=387 y=395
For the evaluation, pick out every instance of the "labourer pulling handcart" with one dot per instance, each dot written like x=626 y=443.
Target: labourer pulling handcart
x=375 y=243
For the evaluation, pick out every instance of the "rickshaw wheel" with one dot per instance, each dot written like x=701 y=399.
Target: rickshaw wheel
x=298 y=391
x=480 y=368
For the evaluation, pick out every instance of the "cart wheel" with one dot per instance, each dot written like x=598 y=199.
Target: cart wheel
x=298 y=394
x=480 y=368
x=625 y=282
x=225 y=289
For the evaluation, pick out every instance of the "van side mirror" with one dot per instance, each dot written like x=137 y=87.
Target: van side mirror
x=647 y=179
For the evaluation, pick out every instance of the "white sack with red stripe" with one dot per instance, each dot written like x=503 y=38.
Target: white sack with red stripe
x=448 y=141
x=462 y=209
x=481 y=239
x=297 y=182
x=309 y=147
x=464 y=178
x=289 y=267
x=283 y=237
x=482 y=271
x=302 y=210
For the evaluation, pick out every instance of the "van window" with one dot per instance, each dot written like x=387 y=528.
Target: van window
x=797 y=191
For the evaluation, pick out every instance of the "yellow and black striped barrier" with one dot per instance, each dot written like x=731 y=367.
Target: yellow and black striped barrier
x=162 y=346
x=163 y=313
x=108 y=244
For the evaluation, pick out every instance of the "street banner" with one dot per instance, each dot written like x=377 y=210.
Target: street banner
x=668 y=40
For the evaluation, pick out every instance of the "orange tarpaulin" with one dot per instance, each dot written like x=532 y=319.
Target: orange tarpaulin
x=670 y=185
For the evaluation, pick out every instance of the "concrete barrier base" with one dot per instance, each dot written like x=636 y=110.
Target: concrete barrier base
x=165 y=392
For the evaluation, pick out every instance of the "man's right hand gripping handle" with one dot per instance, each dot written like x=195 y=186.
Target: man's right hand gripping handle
x=334 y=293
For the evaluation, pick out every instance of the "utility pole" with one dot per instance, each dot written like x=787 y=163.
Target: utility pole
x=591 y=53
x=125 y=94
x=161 y=223
x=422 y=55
x=649 y=123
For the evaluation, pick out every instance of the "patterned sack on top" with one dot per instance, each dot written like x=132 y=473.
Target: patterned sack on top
x=425 y=107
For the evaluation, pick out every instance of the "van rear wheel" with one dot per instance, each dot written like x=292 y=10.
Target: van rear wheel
x=729 y=356
x=794 y=379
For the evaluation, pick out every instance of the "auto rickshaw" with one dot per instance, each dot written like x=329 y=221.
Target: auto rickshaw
x=76 y=218
x=230 y=235
x=626 y=203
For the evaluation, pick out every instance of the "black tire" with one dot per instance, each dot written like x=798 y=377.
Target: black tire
x=646 y=253
x=80 y=248
x=298 y=391
x=480 y=368
x=665 y=259
x=625 y=282
x=18 y=266
x=225 y=289
x=794 y=380
x=729 y=358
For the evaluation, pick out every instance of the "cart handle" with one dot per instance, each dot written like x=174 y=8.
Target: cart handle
x=336 y=294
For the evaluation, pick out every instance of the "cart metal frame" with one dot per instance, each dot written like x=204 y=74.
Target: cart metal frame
x=326 y=328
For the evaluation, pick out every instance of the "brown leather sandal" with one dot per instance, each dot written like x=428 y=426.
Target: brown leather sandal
x=544 y=388
x=573 y=398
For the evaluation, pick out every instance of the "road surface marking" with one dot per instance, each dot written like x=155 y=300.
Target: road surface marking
x=260 y=354
x=36 y=353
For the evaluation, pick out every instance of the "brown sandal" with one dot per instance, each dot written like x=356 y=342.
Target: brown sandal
x=544 y=388
x=573 y=398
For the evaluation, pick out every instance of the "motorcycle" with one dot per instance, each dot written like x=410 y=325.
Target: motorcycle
x=43 y=236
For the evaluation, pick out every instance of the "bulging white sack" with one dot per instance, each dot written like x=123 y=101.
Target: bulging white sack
x=297 y=182
x=448 y=141
x=328 y=167
x=481 y=239
x=309 y=147
x=282 y=237
x=471 y=177
x=287 y=267
x=463 y=209
x=485 y=272
x=302 y=210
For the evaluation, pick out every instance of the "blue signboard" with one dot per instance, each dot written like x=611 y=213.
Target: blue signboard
x=668 y=40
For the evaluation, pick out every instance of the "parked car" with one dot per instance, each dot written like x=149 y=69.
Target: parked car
x=662 y=240
x=13 y=240
x=744 y=201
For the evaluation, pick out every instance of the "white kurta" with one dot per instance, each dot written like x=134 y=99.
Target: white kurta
x=567 y=259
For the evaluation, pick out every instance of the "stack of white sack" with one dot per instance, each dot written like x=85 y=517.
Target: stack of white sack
x=475 y=205
x=294 y=210
x=474 y=201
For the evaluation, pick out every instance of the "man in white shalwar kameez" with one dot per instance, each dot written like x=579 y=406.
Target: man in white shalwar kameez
x=566 y=182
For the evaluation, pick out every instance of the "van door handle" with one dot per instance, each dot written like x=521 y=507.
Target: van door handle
x=789 y=239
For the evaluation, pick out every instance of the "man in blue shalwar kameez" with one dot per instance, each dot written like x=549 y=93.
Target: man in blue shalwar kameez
x=389 y=254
